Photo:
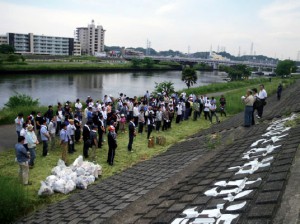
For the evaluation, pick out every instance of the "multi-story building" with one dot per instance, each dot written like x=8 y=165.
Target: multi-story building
x=91 y=39
x=77 y=48
x=40 y=44
x=3 y=39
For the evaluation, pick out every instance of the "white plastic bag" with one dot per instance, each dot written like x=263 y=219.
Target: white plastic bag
x=50 y=180
x=80 y=171
x=59 y=186
x=56 y=170
x=91 y=179
x=70 y=186
x=78 y=161
x=82 y=182
x=45 y=190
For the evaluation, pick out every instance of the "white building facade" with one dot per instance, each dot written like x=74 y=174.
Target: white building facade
x=91 y=39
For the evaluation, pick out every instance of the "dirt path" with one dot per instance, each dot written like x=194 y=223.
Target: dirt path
x=8 y=137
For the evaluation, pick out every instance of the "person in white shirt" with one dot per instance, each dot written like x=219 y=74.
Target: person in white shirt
x=206 y=110
x=262 y=95
x=78 y=109
x=32 y=142
x=19 y=123
x=71 y=132
x=52 y=131
x=213 y=111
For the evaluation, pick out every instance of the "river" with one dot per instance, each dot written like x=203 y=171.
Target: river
x=53 y=88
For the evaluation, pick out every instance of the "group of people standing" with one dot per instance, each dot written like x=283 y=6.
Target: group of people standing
x=255 y=100
x=110 y=116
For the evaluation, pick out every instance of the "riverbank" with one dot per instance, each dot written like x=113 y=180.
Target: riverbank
x=77 y=67
x=158 y=190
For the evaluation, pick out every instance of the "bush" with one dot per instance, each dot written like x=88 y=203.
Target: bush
x=21 y=100
x=14 y=199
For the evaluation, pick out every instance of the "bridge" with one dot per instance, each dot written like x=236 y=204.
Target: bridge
x=212 y=62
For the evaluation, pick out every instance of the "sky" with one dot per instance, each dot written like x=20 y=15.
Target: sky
x=189 y=26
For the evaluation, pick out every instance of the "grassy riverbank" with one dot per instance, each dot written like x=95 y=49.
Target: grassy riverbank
x=123 y=159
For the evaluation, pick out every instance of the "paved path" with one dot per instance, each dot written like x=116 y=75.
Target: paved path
x=161 y=189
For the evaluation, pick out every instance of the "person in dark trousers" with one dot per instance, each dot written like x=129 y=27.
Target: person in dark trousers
x=279 y=91
x=101 y=130
x=78 y=128
x=86 y=139
x=262 y=95
x=112 y=144
x=150 y=123
x=132 y=133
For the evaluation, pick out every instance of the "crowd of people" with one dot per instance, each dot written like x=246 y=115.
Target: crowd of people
x=90 y=121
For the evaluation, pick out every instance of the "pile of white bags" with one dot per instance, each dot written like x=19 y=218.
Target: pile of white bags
x=66 y=179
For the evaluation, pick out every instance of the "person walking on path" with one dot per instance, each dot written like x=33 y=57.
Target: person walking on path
x=45 y=137
x=279 y=91
x=22 y=158
x=262 y=95
x=222 y=102
x=64 y=139
x=32 y=142
x=112 y=144
x=132 y=133
x=213 y=111
x=248 y=101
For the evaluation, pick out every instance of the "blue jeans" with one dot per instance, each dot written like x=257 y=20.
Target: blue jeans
x=248 y=115
x=32 y=156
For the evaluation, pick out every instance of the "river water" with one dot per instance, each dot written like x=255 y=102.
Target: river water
x=53 y=88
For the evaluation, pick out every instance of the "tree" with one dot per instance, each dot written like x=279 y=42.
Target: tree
x=285 y=67
x=149 y=62
x=135 y=62
x=189 y=76
x=164 y=87
x=6 y=49
x=237 y=72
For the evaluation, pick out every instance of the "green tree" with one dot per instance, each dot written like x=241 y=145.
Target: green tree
x=164 y=87
x=189 y=76
x=148 y=62
x=238 y=72
x=285 y=67
x=7 y=49
x=21 y=100
x=135 y=63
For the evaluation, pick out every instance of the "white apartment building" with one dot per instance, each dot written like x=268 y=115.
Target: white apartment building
x=40 y=44
x=77 y=48
x=3 y=39
x=91 y=39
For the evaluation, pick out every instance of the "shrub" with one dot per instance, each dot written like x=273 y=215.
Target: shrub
x=14 y=199
x=21 y=100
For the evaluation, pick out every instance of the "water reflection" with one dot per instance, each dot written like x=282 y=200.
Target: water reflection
x=50 y=89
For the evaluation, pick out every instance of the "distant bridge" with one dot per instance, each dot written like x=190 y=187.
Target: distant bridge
x=214 y=63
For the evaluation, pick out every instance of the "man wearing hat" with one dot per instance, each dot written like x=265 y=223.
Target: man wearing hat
x=32 y=142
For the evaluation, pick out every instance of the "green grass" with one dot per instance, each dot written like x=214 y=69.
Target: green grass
x=123 y=159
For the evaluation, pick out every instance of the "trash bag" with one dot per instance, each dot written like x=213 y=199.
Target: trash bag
x=61 y=163
x=56 y=170
x=78 y=162
x=82 y=182
x=50 y=180
x=70 y=186
x=45 y=190
x=80 y=171
x=59 y=186
x=91 y=179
